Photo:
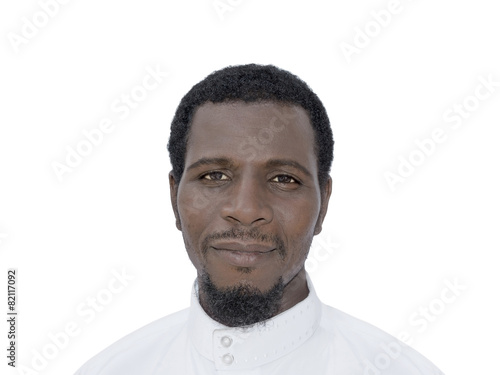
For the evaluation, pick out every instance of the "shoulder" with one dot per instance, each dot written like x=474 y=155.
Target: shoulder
x=141 y=344
x=376 y=351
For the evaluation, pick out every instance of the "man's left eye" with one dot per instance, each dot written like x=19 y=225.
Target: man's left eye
x=284 y=179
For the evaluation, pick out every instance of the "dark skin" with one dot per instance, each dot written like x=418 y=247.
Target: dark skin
x=273 y=192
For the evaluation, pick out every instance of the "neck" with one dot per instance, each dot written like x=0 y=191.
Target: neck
x=295 y=291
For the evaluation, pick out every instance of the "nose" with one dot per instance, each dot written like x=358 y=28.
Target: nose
x=247 y=203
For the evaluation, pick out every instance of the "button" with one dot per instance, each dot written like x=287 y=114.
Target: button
x=226 y=341
x=227 y=359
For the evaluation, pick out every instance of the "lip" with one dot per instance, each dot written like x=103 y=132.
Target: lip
x=243 y=254
x=244 y=247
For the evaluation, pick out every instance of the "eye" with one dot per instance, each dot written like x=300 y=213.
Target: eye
x=284 y=179
x=215 y=176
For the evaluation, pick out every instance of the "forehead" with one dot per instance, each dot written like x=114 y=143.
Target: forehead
x=253 y=132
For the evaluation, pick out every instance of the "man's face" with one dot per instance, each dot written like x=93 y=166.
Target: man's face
x=249 y=202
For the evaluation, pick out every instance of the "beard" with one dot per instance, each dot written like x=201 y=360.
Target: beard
x=240 y=305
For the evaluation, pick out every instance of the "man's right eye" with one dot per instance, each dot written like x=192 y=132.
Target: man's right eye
x=215 y=176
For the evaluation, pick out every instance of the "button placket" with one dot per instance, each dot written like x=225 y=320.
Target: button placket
x=226 y=342
x=223 y=348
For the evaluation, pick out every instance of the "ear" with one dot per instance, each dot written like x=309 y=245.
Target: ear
x=174 y=185
x=326 y=191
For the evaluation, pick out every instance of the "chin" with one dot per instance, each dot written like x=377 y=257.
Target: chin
x=243 y=277
x=240 y=304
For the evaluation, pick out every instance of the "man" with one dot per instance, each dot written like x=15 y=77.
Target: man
x=251 y=149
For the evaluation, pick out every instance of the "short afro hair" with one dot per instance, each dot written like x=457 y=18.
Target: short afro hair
x=251 y=83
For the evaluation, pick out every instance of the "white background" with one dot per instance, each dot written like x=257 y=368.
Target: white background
x=387 y=252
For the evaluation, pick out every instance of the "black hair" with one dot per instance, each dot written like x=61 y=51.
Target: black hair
x=251 y=83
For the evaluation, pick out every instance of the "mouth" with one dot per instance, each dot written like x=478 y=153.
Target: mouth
x=242 y=254
x=244 y=247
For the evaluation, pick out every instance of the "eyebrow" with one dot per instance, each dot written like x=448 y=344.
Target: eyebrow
x=273 y=163
x=228 y=163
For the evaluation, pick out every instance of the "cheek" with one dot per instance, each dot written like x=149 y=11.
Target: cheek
x=194 y=204
x=301 y=215
x=298 y=226
x=191 y=202
x=194 y=213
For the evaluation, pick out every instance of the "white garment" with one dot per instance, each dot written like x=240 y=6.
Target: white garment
x=308 y=339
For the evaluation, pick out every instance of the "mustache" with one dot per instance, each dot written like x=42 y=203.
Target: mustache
x=244 y=235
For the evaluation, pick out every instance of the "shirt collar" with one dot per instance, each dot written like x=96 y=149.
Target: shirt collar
x=235 y=348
